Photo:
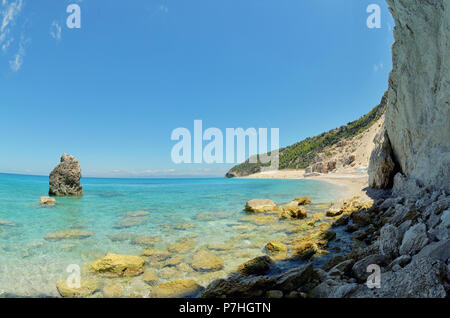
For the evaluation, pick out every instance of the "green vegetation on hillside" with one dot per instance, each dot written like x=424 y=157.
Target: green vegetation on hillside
x=302 y=154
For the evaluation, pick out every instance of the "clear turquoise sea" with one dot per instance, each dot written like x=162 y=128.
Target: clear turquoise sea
x=31 y=265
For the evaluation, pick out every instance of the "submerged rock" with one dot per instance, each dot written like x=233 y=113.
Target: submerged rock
x=136 y=214
x=113 y=291
x=128 y=222
x=146 y=240
x=65 y=178
x=116 y=265
x=205 y=261
x=176 y=289
x=8 y=223
x=68 y=234
x=257 y=266
x=259 y=205
x=88 y=287
x=150 y=277
x=47 y=201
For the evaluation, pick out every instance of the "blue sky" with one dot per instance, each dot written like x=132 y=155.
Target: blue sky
x=111 y=92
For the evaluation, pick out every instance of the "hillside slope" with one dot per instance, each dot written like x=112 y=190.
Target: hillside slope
x=312 y=150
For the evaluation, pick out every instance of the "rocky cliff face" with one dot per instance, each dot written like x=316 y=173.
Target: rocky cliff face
x=418 y=111
x=65 y=178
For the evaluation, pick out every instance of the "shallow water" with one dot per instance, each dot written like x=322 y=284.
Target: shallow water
x=204 y=210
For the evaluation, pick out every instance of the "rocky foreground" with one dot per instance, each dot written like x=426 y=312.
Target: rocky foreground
x=406 y=235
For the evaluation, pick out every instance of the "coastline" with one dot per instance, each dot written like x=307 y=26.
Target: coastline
x=352 y=183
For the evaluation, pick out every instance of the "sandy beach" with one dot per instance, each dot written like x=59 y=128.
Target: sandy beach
x=352 y=183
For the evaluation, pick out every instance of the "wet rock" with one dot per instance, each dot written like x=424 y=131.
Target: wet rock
x=293 y=212
x=156 y=255
x=274 y=294
x=257 y=266
x=333 y=212
x=303 y=200
x=128 y=222
x=181 y=246
x=71 y=234
x=260 y=219
x=173 y=261
x=205 y=261
x=183 y=226
x=275 y=247
x=65 y=178
x=176 y=289
x=361 y=218
x=259 y=205
x=116 y=265
x=120 y=237
x=243 y=286
x=146 y=240
x=6 y=223
x=220 y=247
x=47 y=201
x=414 y=240
x=136 y=214
x=150 y=277
x=113 y=291
x=88 y=287
x=305 y=249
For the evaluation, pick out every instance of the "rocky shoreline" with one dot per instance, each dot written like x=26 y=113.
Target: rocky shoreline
x=406 y=235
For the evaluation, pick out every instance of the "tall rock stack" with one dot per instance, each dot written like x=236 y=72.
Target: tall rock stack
x=65 y=178
x=418 y=111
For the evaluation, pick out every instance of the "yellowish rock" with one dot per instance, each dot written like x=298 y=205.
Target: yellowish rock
x=205 y=261
x=305 y=249
x=181 y=246
x=303 y=201
x=173 y=261
x=220 y=247
x=276 y=250
x=113 y=291
x=176 y=289
x=156 y=255
x=47 y=201
x=293 y=212
x=68 y=234
x=259 y=205
x=260 y=219
x=117 y=265
x=88 y=287
x=146 y=240
x=150 y=277
x=257 y=266
x=136 y=214
x=128 y=222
